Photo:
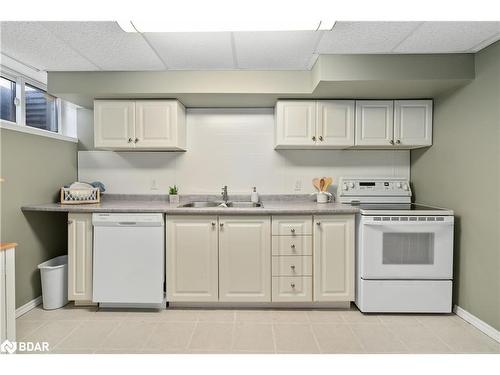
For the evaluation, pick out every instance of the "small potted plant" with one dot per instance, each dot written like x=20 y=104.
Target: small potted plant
x=173 y=197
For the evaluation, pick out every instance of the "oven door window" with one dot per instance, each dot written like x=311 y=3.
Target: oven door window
x=408 y=248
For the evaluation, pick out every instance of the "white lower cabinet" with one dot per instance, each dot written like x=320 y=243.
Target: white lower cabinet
x=192 y=259
x=244 y=259
x=80 y=257
x=333 y=253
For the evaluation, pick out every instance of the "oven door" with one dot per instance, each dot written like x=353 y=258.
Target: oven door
x=412 y=247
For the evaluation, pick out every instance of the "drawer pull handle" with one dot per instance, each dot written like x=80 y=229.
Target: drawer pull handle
x=292 y=230
x=293 y=246
x=292 y=267
x=292 y=285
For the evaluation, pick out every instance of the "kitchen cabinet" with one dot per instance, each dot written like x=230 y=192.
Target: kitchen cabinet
x=412 y=123
x=139 y=125
x=7 y=292
x=398 y=124
x=374 y=123
x=80 y=257
x=114 y=124
x=295 y=123
x=335 y=123
x=244 y=259
x=333 y=253
x=314 y=124
x=192 y=263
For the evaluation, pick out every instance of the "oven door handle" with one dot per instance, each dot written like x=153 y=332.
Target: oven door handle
x=382 y=223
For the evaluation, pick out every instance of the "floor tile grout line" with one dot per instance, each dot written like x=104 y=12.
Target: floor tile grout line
x=192 y=335
x=358 y=339
x=392 y=332
x=320 y=351
x=68 y=334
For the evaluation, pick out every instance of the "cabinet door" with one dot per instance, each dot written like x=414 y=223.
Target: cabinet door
x=333 y=258
x=245 y=259
x=156 y=125
x=114 y=124
x=335 y=123
x=296 y=123
x=413 y=123
x=79 y=257
x=374 y=123
x=192 y=258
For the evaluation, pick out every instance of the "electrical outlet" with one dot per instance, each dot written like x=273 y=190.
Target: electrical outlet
x=298 y=185
x=154 y=184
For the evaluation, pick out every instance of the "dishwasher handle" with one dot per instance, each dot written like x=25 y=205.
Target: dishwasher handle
x=127 y=223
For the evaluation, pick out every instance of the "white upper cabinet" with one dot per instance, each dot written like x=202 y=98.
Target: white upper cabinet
x=335 y=123
x=374 y=123
x=114 y=124
x=412 y=123
x=314 y=124
x=139 y=125
x=295 y=123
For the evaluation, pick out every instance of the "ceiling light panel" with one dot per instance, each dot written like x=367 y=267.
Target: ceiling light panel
x=364 y=37
x=275 y=50
x=448 y=37
x=107 y=45
x=33 y=44
x=193 y=51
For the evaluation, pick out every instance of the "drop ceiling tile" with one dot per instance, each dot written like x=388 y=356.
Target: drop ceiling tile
x=193 y=51
x=32 y=44
x=448 y=37
x=107 y=45
x=274 y=50
x=364 y=37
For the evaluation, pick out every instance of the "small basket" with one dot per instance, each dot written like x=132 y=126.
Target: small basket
x=80 y=196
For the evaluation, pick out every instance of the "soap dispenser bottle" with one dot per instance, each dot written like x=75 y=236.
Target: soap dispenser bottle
x=254 y=197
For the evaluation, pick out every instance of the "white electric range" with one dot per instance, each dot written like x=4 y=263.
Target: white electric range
x=404 y=251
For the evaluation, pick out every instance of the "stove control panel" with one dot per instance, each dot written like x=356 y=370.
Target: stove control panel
x=373 y=189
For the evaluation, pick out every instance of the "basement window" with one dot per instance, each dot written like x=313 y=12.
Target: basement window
x=7 y=99
x=41 y=109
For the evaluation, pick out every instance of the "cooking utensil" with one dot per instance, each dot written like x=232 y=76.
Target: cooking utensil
x=328 y=182
x=321 y=184
x=316 y=183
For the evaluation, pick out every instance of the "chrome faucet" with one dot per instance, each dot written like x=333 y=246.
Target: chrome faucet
x=224 y=194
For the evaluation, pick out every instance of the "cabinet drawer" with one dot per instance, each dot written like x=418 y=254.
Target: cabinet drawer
x=292 y=225
x=292 y=265
x=292 y=289
x=292 y=245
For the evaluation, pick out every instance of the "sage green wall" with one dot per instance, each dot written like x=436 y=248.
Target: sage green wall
x=461 y=171
x=34 y=168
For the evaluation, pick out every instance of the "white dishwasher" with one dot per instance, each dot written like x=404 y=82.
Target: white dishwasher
x=129 y=258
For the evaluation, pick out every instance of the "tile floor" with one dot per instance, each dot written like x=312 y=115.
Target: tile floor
x=91 y=330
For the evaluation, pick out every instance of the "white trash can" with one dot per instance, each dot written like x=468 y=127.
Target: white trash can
x=54 y=274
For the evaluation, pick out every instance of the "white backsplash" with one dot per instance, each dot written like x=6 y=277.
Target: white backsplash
x=233 y=147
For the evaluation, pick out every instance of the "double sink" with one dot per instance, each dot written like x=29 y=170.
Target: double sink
x=205 y=204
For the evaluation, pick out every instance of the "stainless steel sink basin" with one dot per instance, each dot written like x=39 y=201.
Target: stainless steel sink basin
x=201 y=204
x=205 y=204
x=245 y=205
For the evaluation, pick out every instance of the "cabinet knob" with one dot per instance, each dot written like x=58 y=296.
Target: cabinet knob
x=221 y=225
x=318 y=223
x=292 y=230
x=213 y=223
x=292 y=285
x=321 y=138
x=130 y=140
x=136 y=140
x=313 y=138
x=70 y=222
x=398 y=142
x=391 y=142
x=292 y=267
x=292 y=246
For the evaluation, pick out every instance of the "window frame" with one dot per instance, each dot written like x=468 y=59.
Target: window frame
x=20 y=124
